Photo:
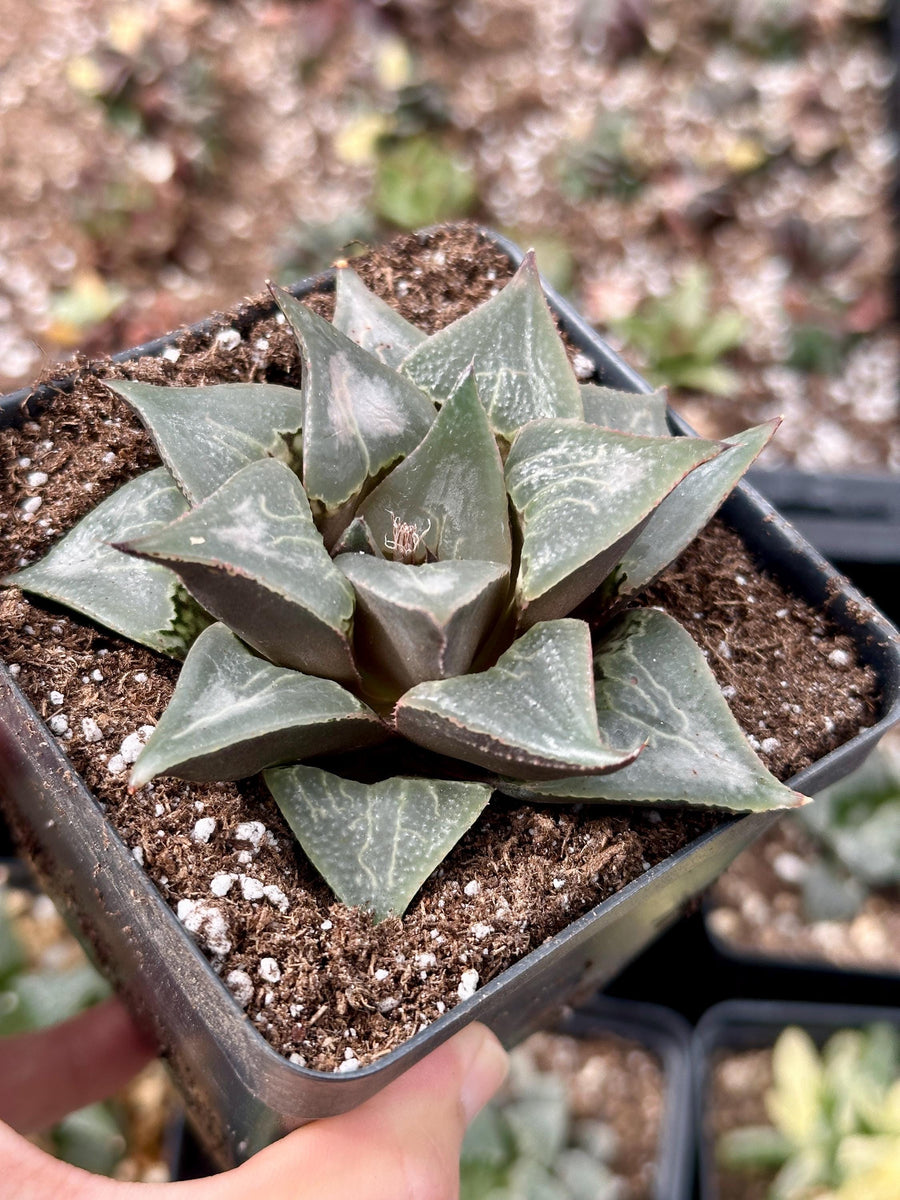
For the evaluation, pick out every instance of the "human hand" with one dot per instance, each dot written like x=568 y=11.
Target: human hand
x=402 y=1144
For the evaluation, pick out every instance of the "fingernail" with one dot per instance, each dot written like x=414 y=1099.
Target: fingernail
x=485 y=1070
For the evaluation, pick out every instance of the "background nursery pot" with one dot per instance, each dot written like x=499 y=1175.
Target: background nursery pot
x=242 y=1093
x=745 y=1025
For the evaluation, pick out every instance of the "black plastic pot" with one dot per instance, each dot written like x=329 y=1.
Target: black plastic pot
x=243 y=1094
x=659 y=1030
x=848 y=518
x=754 y=1025
x=667 y=1036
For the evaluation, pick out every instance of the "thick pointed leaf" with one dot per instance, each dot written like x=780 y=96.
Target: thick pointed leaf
x=372 y=324
x=531 y=716
x=422 y=622
x=252 y=556
x=450 y=488
x=375 y=844
x=232 y=714
x=206 y=434
x=653 y=683
x=687 y=510
x=359 y=416
x=521 y=366
x=357 y=539
x=628 y=412
x=583 y=495
x=140 y=600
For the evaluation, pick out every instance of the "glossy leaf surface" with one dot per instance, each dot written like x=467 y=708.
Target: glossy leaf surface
x=582 y=495
x=450 y=488
x=252 y=556
x=422 y=622
x=531 y=715
x=233 y=713
x=375 y=844
x=234 y=423
x=688 y=509
x=628 y=412
x=140 y=600
x=359 y=416
x=521 y=367
x=653 y=684
x=367 y=320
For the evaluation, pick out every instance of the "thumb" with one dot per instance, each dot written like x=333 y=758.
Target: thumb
x=402 y=1144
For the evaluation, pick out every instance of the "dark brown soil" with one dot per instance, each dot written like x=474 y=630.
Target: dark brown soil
x=317 y=979
x=620 y=1083
x=735 y=1099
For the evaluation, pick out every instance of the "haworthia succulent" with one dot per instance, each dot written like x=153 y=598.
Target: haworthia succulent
x=233 y=713
x=375 y=844
x=582 y=495
x=686 y=510
x=359 y=416
x=531 y=715
x=252 y=556
x=653 y=684
x=140 y=600
x=372 y=324
x=236 y=423
x=450 y=489
x=521 y=366
x=628 y=412
x=422 y=622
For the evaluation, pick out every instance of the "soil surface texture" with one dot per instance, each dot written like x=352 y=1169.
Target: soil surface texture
x=321 y=983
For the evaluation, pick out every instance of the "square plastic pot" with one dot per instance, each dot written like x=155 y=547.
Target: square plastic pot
x=240 y=1092
x=739 y=1025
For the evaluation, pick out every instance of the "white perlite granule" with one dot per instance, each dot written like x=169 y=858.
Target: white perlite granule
x=207 y=923
x=91 y=730
x=252 y=889
x=252 y=832
x=468 y=985
x=204 y=829
x=220 y=885
x=134 y=743
x=58 y=724
x=228 y=339
x=240 y=985
x=269 y=970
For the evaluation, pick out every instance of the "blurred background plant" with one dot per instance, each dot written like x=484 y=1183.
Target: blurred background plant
x=732 y=156
x=856 y=825
x=44 y=979
x=682 y=340
x=527 y=1144
x=835 y=1119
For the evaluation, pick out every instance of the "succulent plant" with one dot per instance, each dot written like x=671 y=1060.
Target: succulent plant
x=683 y=340
x=835 y=1132
x=527 y=1145
x=856 y=824
x=393 y=554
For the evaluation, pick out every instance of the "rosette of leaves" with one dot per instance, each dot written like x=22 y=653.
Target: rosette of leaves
x=394 y=553
x=835 y=1118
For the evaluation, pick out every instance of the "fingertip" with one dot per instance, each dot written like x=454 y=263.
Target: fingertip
x=483 y=1067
